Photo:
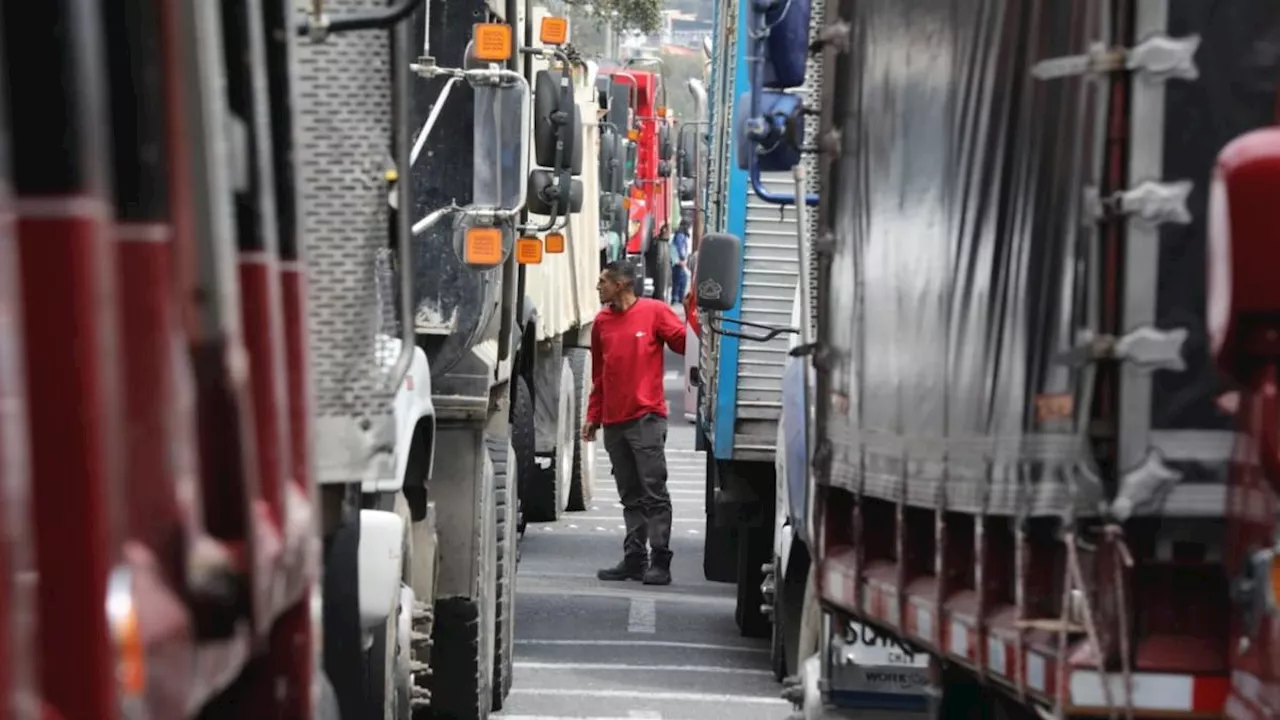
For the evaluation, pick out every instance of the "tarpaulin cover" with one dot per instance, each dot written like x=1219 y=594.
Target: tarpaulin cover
x=965 y=265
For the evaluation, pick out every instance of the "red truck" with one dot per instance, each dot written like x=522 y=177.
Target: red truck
x=652 y=193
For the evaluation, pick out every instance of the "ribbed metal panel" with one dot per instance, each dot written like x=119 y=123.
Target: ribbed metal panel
x=344 y=123
x=769 y=275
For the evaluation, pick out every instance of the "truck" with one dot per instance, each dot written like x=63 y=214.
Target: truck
x=738 y=378
x=222 y=399
x=1039 y=441
x=496 y=296
x=634 y=101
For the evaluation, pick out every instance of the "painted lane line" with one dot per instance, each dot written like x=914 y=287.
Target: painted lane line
x=645 y=643
x=651 y=696
x=622 y=667
x=642 y=617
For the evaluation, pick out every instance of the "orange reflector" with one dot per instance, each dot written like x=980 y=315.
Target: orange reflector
x=131 y=670
x=554 y=31
x=528 y=251
x=555 y=243
x=626 y=203
x=633 y=134
x=662 y=112
x=492 y=41
x=483 y=246
x=1275 y=578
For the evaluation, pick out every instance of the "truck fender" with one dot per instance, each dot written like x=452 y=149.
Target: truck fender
x=414 y=418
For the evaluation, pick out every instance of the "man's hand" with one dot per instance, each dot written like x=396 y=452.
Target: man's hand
x=589 y=431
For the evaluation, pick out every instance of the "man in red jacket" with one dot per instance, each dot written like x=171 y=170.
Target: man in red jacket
x=629 y=400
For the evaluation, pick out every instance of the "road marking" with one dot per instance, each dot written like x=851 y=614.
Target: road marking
x=644 y=714
x=642 y=618
x=564 y=717
x=652 y=696
x=555 y=586
x=647 y=643
x=614 y=518
x=645 y=668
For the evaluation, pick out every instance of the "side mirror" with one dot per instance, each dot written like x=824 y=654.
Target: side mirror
x=684 y=155
x=719 y=272
x=544 y=191
x=500 y=141
x=619 y=103
x=556 y=121
x=665 y=149
x=611 y=208
x=610 y=161
x=1243 y=298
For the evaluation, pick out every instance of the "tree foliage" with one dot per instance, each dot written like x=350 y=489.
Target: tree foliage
x=678 y=69
x=643 y=16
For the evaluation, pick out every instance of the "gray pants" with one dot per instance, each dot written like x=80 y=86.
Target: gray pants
x=637 y=450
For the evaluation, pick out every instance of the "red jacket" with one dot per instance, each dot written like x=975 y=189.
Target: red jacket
x=626 y=361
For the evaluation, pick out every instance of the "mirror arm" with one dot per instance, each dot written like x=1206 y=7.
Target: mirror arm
x=716 y=324
x=434 y=217
x=317 y=26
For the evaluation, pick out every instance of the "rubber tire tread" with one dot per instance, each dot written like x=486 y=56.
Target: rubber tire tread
x=457 y=666
x=502 y=650
x=579 y=494
x=719 y=543
x=777 y=639
x=538 y=488
x=755 y=547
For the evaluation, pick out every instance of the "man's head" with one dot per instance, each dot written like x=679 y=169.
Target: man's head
x=684 y=227
x=617 y=283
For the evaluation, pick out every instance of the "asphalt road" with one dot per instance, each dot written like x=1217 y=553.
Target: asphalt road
x=590 y=649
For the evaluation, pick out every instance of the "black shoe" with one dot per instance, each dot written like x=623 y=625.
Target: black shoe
x=626 y=570
x=659 y=573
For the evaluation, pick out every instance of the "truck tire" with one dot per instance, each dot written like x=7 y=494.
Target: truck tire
x=582 y=479
x=460 y=682
x=463 y=635
x=755 y=547
x=719 y=542
x=657 y=265
x=777 y=640
x=499 y=452
x=546 y=496
x=524 y=448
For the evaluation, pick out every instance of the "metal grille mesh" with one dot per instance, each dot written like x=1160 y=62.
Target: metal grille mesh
x=345 y=126
x=813 y=94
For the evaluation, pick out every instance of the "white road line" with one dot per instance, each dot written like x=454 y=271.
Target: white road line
x=562 y=717
x=642 y=668
x=646 y=643
x=614 y=518
x=652 y=696
x=642 y=617
x=644 y=714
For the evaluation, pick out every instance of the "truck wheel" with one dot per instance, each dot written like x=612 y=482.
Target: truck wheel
x=463 y=635
x=547 y=491
x=421 y=561
x=503 y=635
x=777 y=644
x=460 y=683
x=583 y=477
x=719 y=543
x=755 y=547
x=657 y=262
x=388 y=670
